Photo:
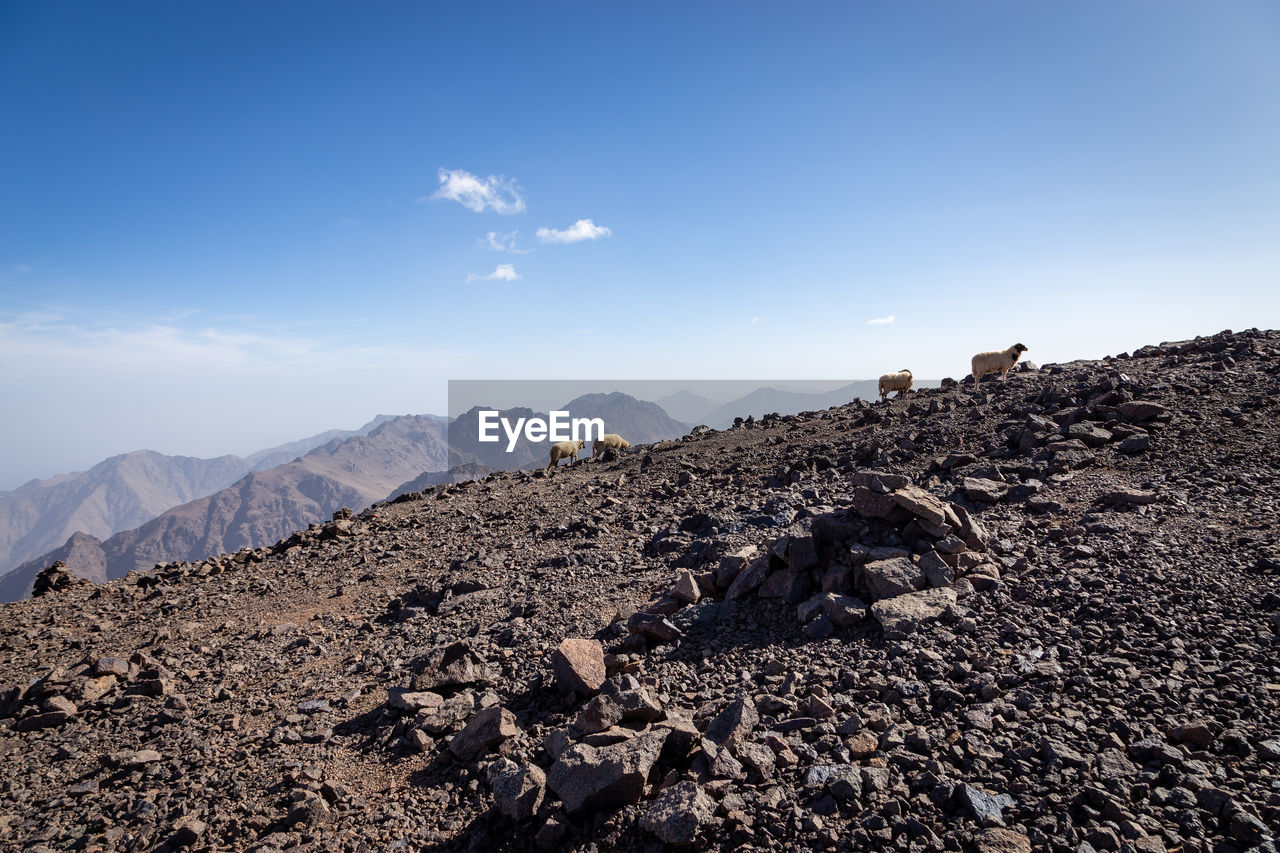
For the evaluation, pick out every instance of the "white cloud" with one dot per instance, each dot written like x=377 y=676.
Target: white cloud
x=583 y=229
x=503 y=243
x=755 y=321
x=496 y=192
x=880 y=321
x=504 y=272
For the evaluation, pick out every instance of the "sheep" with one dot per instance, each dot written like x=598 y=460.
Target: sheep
x=606 y=441
x=900 y=382
x=1001 y=362
x=565 y=450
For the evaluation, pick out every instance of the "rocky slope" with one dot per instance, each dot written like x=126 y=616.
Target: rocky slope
x=263 y=506
x=1039 y=614
x=765 y=400
x=457 y=474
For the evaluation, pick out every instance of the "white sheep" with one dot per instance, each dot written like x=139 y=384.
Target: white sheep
x=606 y=441
x=565 y=450
x=996 y=361
x=900 y=382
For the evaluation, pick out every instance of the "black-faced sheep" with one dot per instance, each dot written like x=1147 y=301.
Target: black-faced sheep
x=900 y=382
x=996 y=361
x=606 y=441
x=565 y=450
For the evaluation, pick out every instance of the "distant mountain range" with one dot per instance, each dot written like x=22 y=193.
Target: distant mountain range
x=116 y=494
x=255 y=508
x=279 y=455
x=125 y=491
x=686 y=406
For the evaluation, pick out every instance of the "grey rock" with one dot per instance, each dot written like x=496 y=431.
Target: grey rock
x=734 y=723
x=844 y=781
x=921 y=503
x=1142 y=411
x=454 y=665
x=749 y=579
x=518 y=789
x=1091 y=434
x=1135 y=444
x=186 y=831
x=721 y=763
x=485 y=729
x=678 y=813
x=1152 y=750
x=758 y=758
x=586 y=778
x=889 y=578
x=988 y=808
x=982 y=489
x=936 y=571
x=686 y=588
x=414 y=701
x=903 y=615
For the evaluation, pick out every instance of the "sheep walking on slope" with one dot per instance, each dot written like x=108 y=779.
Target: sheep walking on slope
x=565 y=450
x=900 y=382
x=996 y=361
x=607 y=441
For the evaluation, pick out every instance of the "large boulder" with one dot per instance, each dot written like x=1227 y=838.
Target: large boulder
x=889 y=578
x=734 y=723
x=982 y=489
x=517 y=788
x=678 y=812
x=578 y=665
x=453 y=666
x=904 y=614
x=749 y=579
x=489 y=727
x=587 y=778
x=922 y=504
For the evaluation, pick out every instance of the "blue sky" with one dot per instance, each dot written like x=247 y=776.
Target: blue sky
x=222 y=225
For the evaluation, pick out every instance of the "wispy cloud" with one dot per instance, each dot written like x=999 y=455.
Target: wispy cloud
x=167 y=343
x=880 y=321
x=755 y=321
x=496 y=192
x=503 y=243
x=143 y=376
x=504 y=272
x=21 y=269
x=583 y=229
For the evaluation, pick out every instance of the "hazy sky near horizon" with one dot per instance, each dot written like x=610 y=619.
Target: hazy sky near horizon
x=228 y=225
